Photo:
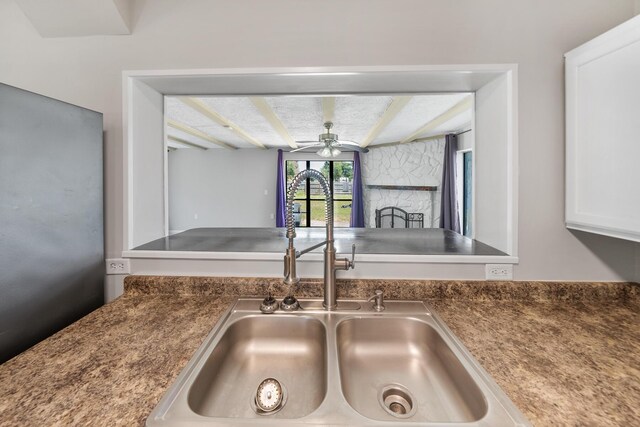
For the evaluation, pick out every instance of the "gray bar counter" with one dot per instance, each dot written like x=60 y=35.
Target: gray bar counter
x=415 y=241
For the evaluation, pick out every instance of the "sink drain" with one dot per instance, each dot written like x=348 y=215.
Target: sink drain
x=270 y=397
x=397 y=401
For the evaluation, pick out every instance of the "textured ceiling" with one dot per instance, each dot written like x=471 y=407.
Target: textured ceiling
x=301 y=115
x=356 y=115
x=302 y=118
x=418 y=112
x=242 y=112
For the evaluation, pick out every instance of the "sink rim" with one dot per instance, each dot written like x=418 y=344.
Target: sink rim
x=334 y=409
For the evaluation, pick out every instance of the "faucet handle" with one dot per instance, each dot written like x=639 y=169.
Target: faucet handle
x=346 y=263
x=352 y=263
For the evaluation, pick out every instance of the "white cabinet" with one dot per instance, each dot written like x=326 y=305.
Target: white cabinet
x=603 y=134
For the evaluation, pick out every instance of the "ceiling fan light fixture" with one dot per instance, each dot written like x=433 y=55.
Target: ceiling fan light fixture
x=325 y=152
x=335 y=152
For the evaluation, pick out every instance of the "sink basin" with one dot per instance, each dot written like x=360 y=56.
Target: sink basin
x=350 y=367
x=406 y=358
x=253 y=349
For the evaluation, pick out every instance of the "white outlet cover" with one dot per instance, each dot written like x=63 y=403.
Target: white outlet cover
x=499 y=272
x=117 y=266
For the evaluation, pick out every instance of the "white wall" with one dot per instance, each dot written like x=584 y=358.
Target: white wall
x=222 y=188
x=415 y=163
x=242 y=33
x=491 y=165
x=146 y=124
x=465 y=140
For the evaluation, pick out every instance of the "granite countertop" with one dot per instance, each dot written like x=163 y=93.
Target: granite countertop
x=565 y=353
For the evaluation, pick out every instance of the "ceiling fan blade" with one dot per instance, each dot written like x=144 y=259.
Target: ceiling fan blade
x=308 y=142
x=304 y=148
x=352 y=146
x=343 y=142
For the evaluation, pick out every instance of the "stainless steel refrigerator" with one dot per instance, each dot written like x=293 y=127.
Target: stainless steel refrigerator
x=51 y=217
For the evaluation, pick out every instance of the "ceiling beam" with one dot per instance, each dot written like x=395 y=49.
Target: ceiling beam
x=181 y=141
x=204 y=109
x=397 y=104
x=198 y=134
x=424 y=139
x=270 y=116
x=459 y=108
x=328 y=108
x=391 y=144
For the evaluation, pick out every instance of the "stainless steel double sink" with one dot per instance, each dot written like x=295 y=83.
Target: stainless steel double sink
x=402 y=366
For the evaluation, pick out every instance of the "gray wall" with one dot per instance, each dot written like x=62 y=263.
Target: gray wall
x=51 y=217
x=637 y=11
x=638 y=263
x=242 y=33
x=222 y=188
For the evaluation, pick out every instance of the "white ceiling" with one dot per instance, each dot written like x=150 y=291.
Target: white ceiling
x=239 y=120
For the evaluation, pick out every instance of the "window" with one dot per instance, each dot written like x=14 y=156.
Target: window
x=464 y=191
x=467 y=161
x=309 y=201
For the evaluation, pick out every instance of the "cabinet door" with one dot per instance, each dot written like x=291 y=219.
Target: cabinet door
x=603 y=134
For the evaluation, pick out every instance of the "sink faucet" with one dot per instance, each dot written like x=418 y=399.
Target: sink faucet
x=331 y=263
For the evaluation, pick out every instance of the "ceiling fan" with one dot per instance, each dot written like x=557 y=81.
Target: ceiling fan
x=329 y=144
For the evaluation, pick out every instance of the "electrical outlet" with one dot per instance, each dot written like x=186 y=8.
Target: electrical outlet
x=499 y=271
x=118 y=266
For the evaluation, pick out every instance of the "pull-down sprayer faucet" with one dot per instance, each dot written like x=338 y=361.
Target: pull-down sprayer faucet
x=331 y=264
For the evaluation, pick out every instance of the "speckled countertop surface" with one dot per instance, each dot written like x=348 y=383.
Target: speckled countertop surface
x=565 y=353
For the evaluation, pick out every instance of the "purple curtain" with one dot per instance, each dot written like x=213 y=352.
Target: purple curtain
x=449 y=203
x=357 y=205
x=281 y=197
